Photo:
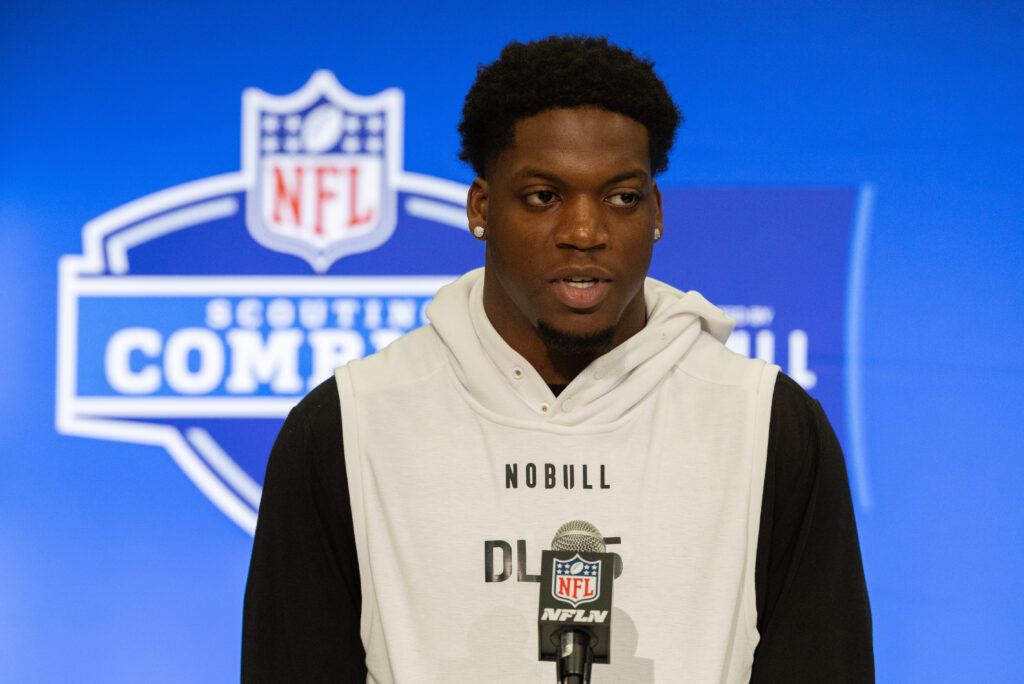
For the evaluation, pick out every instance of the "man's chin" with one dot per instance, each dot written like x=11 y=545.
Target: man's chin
x=574 y=343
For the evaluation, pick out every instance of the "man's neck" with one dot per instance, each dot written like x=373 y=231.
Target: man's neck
x=560 y=369
x=559 y=358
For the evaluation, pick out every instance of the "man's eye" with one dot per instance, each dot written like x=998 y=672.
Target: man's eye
x=540 y=198
x=624 y=199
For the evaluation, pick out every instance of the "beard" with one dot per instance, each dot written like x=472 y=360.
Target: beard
x=572 y=344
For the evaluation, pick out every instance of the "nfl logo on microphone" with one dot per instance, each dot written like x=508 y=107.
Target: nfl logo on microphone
x=575 y=580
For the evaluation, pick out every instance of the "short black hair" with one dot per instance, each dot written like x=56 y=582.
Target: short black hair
x=564 y=71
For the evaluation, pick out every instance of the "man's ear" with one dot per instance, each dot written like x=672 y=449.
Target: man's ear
x=658 y=220
x=476 y=203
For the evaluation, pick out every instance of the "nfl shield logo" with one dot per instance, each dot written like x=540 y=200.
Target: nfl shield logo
x=321 y=166
x=575 y=580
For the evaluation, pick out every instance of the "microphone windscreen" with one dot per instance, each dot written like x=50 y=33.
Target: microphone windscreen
x=578 y=535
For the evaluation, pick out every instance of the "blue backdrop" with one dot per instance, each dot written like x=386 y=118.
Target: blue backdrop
x=116 y=567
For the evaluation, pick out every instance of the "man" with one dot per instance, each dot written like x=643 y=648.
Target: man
x=557 y=383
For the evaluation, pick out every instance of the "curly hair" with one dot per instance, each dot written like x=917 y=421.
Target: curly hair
x=564 y=71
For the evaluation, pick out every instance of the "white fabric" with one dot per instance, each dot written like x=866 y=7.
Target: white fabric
x=678 y=424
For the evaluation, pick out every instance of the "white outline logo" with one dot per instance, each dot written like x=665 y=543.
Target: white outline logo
x=103 y=272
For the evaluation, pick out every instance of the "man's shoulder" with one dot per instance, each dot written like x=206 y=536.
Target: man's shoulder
x=796 y=416
x=408 y=358
x=800 y=438
x=711 y=361
x=321 y=407
x=790 y=395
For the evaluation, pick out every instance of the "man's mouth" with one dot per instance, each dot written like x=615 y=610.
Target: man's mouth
x=581 y=292
x=581 y=283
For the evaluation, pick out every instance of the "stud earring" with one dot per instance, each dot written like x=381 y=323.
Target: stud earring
x=657 y=234
x=479 y=232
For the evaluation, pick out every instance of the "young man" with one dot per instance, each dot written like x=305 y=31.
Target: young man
x=396 y=491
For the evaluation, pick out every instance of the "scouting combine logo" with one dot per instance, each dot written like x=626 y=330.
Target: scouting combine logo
x=196 y=317
x=575 y=580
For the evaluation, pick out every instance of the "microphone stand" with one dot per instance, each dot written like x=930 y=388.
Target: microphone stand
x=575 y=658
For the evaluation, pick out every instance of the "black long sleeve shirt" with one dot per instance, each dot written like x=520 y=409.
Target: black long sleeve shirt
x=302 y=599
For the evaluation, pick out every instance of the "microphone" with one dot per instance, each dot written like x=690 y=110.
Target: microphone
x=574 y=614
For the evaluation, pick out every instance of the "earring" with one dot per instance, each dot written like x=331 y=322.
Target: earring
x=479 y=232
x=657 y=234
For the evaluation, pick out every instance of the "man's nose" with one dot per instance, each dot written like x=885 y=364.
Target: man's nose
x=582 y=226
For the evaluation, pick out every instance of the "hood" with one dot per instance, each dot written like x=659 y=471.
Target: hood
x=504 y=385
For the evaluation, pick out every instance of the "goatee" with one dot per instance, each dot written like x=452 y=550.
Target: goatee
x=572 y=344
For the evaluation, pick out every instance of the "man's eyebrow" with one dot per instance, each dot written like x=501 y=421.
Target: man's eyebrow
x=528 y=172
x=627 y=175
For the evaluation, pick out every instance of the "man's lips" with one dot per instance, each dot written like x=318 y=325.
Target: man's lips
x=581 y=291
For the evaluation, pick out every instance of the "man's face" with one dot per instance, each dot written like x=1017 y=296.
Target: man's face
x=570 y=210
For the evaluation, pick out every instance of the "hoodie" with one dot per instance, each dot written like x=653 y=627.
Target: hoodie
x=462 y=463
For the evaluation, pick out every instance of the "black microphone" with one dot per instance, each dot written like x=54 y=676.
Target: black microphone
x=574 y=615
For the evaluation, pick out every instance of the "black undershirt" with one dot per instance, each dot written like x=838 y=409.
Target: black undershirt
x=302 y=599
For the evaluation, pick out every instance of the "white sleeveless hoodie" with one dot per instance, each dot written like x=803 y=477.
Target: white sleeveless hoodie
x=462 y=464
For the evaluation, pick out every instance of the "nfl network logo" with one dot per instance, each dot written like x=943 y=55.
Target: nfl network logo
x=575 y=580
x=196 y=317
